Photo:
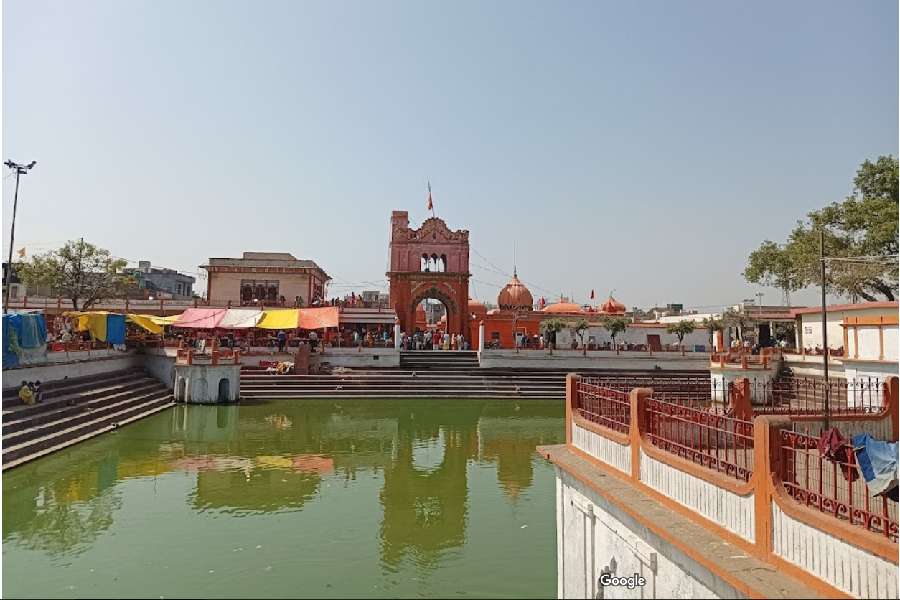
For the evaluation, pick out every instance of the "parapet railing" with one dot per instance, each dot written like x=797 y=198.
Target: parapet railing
x=749 y=473
x=806 y=395
x=744 y=359
x=715 y=441
x=215 y=356
x=832 y=485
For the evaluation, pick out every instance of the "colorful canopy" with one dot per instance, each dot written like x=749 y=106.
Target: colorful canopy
x=200 y=318
x=151 y=323
x=319 y=318
x=22 y=332
x=104 y=326
x=280 y=318
x=240 y=318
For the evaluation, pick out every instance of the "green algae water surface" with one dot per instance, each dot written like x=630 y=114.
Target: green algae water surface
x=349 y=498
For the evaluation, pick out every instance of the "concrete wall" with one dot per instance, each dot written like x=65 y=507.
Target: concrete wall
x=810 y=330
x=723 y=507
x=573 y=359
x=854 y=571
x=81 y=368
x=813 y=366
x=354 y=357
x=161 y=366
x=227 y=286
x=634 y=335
x=612 y=453
x=591 y=532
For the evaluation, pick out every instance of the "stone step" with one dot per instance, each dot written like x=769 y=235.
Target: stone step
x=15 y=420
x=17 y=454
x=57 y=442
x=23 y=410
x=9 y=392
x=89 y=414
x=55 y=389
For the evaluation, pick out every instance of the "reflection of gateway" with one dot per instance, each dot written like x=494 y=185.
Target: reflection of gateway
x=510 y=442
x=425 y=511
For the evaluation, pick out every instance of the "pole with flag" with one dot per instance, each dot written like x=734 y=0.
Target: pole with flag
x=592 y=294
x=430 y=203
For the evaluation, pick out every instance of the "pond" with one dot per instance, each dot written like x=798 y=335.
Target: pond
x=294 y=498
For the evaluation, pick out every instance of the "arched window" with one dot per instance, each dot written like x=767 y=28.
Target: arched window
x=443 y=262
x=425 y=263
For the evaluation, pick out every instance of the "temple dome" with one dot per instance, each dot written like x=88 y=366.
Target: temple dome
x=612 y=307
x=563 y=307
x=477 y=308
x=515 y=295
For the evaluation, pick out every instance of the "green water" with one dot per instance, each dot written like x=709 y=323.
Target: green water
x=298 y=498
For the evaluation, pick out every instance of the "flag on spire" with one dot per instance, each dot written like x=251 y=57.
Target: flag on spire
x=430 y=203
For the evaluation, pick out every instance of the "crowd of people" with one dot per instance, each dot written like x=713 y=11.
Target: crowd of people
x=433 y=340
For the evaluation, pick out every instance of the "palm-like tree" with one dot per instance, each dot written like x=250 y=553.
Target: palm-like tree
x=681 y=329
x=615 y=326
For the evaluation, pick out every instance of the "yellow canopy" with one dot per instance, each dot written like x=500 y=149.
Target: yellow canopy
x=93 y=321
x=279 y=318
x=151 y=323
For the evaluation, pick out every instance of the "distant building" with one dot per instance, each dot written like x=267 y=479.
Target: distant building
x=161 y=281
x=264 y=279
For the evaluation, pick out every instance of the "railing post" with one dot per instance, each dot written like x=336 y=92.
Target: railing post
x=572 y=380
x=741 y=399
x=637 y=399
x=891 y=393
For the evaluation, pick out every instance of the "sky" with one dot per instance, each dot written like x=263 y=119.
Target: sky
x=643 y=148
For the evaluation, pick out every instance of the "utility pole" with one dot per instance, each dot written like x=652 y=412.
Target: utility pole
x=824 y=328
x=20 y=170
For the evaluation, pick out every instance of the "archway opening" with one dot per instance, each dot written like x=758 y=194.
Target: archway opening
x=431 y=315
x=224 y=390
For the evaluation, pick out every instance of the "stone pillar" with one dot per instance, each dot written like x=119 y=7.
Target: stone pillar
x=396 y=333
x=301 y=360
x=481 y=336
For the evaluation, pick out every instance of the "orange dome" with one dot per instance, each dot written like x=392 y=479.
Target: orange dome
x=563 y=307
x=515 y=295
x=476 y=307
x=612 y=307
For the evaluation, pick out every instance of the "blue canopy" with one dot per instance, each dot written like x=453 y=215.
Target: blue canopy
x=22 y=331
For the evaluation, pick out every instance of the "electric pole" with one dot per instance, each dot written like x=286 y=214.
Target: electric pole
x=20 y=170
x=824 y=328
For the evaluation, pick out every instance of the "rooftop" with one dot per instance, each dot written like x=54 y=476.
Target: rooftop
x=264 y=259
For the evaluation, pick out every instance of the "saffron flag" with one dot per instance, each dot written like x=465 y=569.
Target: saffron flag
x=430 y=204
x=21 y=252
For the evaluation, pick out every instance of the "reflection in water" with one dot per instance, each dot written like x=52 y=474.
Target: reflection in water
x=276 y=458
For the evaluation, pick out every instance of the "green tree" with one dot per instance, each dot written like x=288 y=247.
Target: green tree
x=712 y=325
x=550 y=328
x=580 y=327
x=681 y=329
x=615 y=326
x=79 y=271
x=864 y=224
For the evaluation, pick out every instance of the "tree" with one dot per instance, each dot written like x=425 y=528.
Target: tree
x=615 y=326
x=550 y=328
x=863 y=227
x=79 y=271
x=681 y=329
x=580 y=327
x=737 y=320
x=712 y=325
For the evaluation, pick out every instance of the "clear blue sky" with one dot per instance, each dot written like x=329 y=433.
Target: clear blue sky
x=644 y=147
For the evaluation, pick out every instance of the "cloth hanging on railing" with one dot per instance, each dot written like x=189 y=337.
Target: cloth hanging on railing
x=832 y=446
x=877 y=461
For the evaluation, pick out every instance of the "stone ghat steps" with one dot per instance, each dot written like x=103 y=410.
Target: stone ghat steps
x=401 y=385
x=429 y=359
x=73 y=385
x=76 y=411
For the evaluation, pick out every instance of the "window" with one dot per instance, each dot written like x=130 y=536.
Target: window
x=256 y=292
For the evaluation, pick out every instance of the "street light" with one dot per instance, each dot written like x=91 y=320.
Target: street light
x=20 y=170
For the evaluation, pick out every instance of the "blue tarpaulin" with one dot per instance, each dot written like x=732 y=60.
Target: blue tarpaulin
x=22 y=331
x=115 y=329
